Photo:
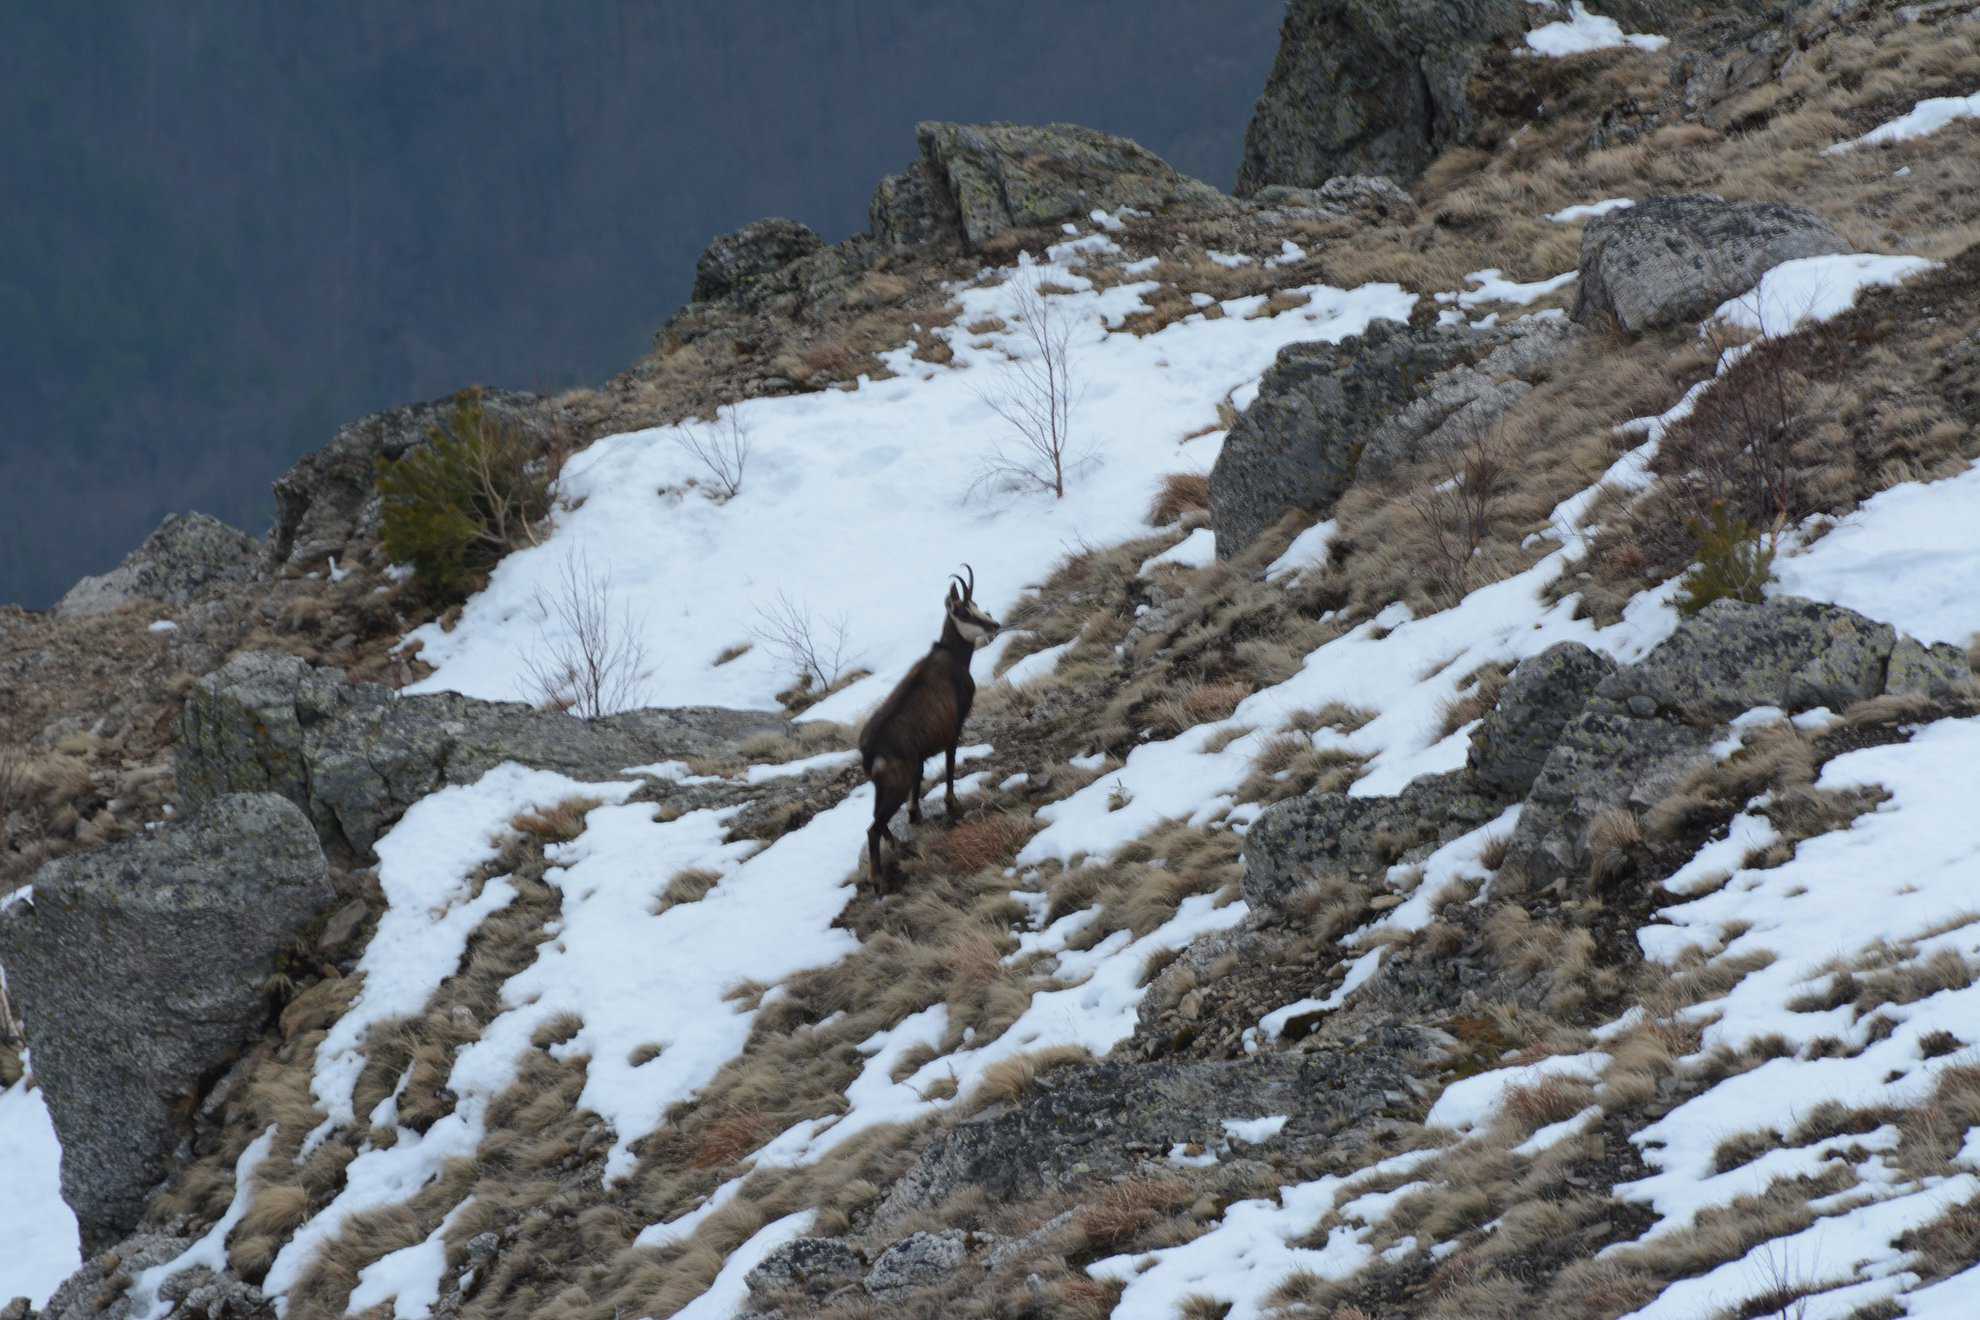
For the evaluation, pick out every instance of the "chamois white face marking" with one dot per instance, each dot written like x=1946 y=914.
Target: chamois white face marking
x=975 y=626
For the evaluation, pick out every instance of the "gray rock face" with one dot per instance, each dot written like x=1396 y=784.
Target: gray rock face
x=1787 y=652
x=1646 y=725
x=1672 y=259
x=330 y=497
x=913 y=208
x=1329 y=413
x=1369 y=87
x=1105 y=1120
x=1607 y=757
x=1544 y=693
x=1322 y=833
x=356 y=755
x=1938 y=670
x=985 y=179
x=814 y=1266
x=139 y=969
x=917 y=1260
x=733 y=261
x=187 y=554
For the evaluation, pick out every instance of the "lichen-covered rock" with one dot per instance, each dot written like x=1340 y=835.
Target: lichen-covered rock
x=1106 y=1120
x=1374 y=195
x=1673 y=259
x=1302 y=838
x=1918 y=670
x=140 y=970
x=1607 y=757
x=1544 y=693
x=817 y=1267
x=732 y=262
x=1648 y=724
x=917 y=1260
x=356 y=755
x=184 y=556
x=987 y=179
x=1369 y=87
x=329 y=501
x=1327 y=414
x=1787 y=652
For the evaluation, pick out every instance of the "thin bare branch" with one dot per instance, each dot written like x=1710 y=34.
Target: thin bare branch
x=723 y=450
x=590 y=659
x=816 y=650
x=1035 y=396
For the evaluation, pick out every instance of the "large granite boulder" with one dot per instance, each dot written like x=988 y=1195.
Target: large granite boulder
x=356 y=755
x=732 y=262
x=186 y=554
x=140 y=970
x=1647 y=725
x=1327 y=414
x=329 y=499
x=1103 y=1121
x=1545 y=692
x=976 y=181
x=1302 y=838
x=1673 y=259
x=1369 y=87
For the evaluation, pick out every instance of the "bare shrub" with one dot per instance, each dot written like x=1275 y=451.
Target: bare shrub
x=1456 y=514
x=595 y=664
x=723 y=450
x=816 y=649
x=1035 y=397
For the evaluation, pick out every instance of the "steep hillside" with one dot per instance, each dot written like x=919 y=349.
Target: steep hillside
x=1466 y=814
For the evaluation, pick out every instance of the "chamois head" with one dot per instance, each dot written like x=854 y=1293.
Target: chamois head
x=973 y=624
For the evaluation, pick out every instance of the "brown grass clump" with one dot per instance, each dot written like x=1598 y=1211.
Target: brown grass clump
x=1010 y=1080
x=1121 y=1212
x=1200 y=703
x=559 y=824
x=1180 y=495
x=986 y=839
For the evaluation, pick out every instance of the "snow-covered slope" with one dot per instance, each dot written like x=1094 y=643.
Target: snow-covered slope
x=855 y=504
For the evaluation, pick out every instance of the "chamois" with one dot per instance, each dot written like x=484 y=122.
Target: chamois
x=923 y=715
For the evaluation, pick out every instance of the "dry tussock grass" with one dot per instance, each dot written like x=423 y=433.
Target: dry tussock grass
x=1180 y=495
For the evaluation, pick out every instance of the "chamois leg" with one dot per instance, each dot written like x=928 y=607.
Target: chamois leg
x=914 y=797
x=951 y=776
x=889 y=789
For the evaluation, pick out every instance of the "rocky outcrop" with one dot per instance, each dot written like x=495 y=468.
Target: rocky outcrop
x=329 y=500
x=356 y=755
x=1103 y=1121
x=814 y=1268
x=1304 y=837
x=732 y=262
x=976 y=181
x=1648 y=724
x=186 y=555
x=97 y=1291
x=1672 y=259
x=140 y=971
x=1545 y=692
x=1327 y=414
x=1369 y=87
x=917 y=1260
x=1373 y=195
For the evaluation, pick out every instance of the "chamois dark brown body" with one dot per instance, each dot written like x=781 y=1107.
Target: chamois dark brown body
x=923 y=715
